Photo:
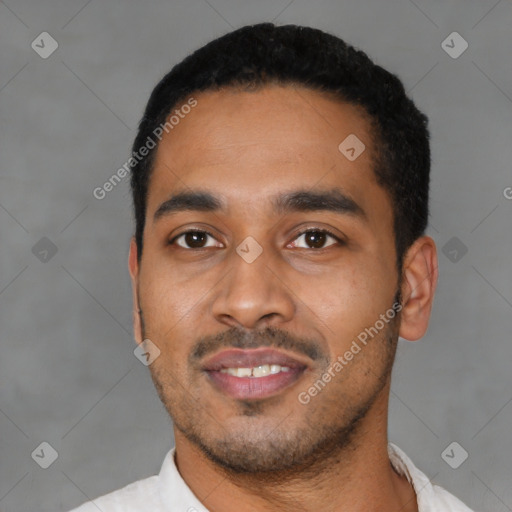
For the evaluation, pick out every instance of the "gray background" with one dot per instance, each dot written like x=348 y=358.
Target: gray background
x=68 y=375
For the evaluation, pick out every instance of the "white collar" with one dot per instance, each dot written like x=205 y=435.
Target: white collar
x=174 y=490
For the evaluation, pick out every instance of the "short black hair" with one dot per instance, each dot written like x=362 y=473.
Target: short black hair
x=257 y=55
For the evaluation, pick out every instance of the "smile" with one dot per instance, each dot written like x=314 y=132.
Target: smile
x=256 y=371
x=253 y=374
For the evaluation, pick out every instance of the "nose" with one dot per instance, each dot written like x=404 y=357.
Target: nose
x=254 y=295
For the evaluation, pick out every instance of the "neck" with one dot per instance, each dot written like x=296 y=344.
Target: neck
x=358 y=477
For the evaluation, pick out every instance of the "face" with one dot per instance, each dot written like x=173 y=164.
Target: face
x=267 y=252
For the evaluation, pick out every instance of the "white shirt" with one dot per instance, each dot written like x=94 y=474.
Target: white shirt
x=168 y=492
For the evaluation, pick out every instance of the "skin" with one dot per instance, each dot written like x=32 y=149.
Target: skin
x=276 y=453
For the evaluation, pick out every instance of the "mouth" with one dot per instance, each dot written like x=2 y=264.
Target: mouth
x=253 y=374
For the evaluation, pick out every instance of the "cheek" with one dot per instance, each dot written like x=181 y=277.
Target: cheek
x=172 y=303
x=165 y=318
x=343 y=308
x=166 y=294
x=348 y=299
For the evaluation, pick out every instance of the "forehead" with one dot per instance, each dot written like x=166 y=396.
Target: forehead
x=257 y=143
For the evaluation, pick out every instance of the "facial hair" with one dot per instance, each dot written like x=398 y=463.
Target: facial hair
x=328 y=425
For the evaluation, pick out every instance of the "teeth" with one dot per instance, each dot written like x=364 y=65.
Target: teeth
x=257 y=371
x=275 y=368
x=243 y=372
x=261 y=371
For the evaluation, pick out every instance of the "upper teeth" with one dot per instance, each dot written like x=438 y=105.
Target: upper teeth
x=257 y=371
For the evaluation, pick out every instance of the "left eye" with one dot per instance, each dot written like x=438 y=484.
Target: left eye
x=315 y=239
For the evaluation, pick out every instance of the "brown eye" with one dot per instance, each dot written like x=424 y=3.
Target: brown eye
x=315 y=239
x=194 y=240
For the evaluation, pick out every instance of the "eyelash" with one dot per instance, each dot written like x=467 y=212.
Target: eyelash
x=309 y=230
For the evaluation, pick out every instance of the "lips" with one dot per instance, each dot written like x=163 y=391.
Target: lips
x=249 y=387
x=237 y=358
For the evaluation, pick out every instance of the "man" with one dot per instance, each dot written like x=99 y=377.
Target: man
x=279 y=253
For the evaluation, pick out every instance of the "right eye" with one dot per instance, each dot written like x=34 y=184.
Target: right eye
x=193 y=239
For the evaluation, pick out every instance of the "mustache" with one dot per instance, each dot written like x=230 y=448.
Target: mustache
x=236 y=337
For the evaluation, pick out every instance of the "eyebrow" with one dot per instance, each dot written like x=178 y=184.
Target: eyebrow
x=332 y=200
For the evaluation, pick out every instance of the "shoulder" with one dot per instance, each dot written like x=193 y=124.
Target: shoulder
x=430 y=497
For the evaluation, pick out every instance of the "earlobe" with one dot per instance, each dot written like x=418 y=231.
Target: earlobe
x=133 y=267
x=419 y=280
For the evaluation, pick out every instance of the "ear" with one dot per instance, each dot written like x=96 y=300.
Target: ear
x=419 y=281
x=133 y=267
